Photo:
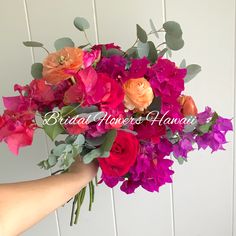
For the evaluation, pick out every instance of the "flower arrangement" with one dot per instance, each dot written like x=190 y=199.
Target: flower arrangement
x=126 y=109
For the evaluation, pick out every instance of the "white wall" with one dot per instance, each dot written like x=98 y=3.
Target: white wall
x=201 y=200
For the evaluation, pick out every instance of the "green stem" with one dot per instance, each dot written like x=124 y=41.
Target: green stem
x=73 y=210
x=80 y=200
x=86 y=36
x=91 y=194
x=46 y=50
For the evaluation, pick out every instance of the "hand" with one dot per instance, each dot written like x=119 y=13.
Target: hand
x=84 y=172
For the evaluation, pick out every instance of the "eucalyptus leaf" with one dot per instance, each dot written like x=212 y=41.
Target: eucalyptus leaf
x=141 y=34
x=62 y=43
x=80 y=140
x=132 y=52
x=155 y=105
x=97 y=141
x=58 y=150
x=192 y=126
x=84 y=45
x=113 y=51
x=52 y=160
x=81 y=23
x=162 y=52
x=70 y=139
x=173 y=29
x=108 y=141
x=192 y=71
x=143 y=49
x=37 y=70
x=154 y=30
x=89 y=157
x=152 y=55
x=183 y=64
x=32 y=44
x=181 y=160
x=173 y=42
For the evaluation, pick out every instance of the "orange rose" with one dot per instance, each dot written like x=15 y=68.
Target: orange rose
x=138 y=94
x=55 y=64
x=188 y=107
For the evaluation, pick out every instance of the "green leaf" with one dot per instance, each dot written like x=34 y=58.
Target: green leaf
x=70 y=139
x=58 y=150
x=52 y=160
x=97 y=141
x=162 y=52
x=143 y=49
x=113 y=51
x=37 y=70
x=89 y=157
x=173 y=42
x=205 y=128
x=62 y=43
x=132 y=52
x=181 y=160
x=68 y=111
x=152 y=55
x=109 y=139
x=141 y=34
x=183 y=64
x=32 y=44
x=80 y=140
x=192 y=126
x=154 y=30
x=169 y=53
x=173 y=29
x=53 y=130
x=81 y=23
x=84 y=45
x=192 y=71
x=155 y=105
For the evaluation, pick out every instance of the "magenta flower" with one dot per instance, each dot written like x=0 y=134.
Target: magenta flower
x=91 y=57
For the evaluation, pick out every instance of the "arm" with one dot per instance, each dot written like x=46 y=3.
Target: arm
x=24 y=204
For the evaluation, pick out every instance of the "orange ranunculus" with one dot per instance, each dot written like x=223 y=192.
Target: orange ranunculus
x=138 y=94
x=188 y=107
x=55 y=64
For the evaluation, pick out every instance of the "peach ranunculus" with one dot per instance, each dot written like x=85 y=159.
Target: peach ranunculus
x=138 y=94
x=56 y=64
x=188 y=107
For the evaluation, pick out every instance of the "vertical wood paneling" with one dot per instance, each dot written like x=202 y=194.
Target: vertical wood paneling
x=50 y=20
x=203 y=186
x=142 y=213
x=15 y=68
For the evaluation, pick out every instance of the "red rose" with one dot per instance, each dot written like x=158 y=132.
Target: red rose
x=122 y=156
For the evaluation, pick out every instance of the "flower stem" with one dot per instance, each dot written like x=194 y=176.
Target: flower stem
x=86 y=36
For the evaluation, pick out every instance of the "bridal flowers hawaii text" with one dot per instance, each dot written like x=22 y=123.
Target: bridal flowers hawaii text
x=52 y=117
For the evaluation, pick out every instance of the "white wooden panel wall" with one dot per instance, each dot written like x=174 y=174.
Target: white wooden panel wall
x=201 y=200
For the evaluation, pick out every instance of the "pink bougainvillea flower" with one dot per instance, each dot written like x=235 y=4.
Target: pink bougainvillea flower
x=91 y=57
x=16 y=130
x=41 y=92
x=109 y=94
x=107 y=46
x=75 y=129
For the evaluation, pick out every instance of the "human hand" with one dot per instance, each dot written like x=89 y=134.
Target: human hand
x=84 y=172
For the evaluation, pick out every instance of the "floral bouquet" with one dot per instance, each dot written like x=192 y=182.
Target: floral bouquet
x=126 y=109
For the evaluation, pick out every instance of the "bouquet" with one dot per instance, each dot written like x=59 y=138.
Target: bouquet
x=125 y=108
